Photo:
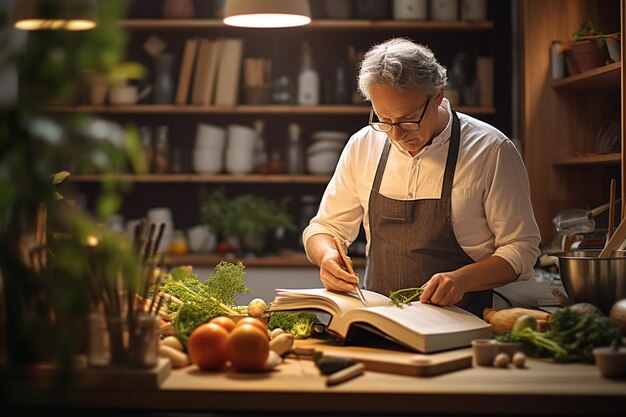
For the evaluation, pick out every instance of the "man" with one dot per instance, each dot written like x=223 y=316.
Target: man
x=444 y=198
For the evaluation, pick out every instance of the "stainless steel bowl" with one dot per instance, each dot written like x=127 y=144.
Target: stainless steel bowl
x=587 y=279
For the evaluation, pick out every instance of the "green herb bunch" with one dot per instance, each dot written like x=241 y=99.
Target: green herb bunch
x=405 y=296
x=298 y=323
x=203 y=301
x=571 y=338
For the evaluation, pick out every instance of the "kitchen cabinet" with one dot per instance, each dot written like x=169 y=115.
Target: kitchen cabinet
x=329 y=40
x=560 y=119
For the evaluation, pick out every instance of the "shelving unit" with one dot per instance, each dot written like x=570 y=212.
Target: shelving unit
x=198 y=24
x=560 y=119
x=209 y=179
x=185 y=190
x=287 y=260
x=605 y=77
x=245 y=109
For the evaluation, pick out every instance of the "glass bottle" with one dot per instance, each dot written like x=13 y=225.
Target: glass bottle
x=260 y=154
x=145 y=134
x=308 y=79
x=161 y=157
x=163 y=79
x=294 y=151
x=341 y=86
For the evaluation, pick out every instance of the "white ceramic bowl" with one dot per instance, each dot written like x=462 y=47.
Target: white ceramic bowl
x=322 y=163
x=160 y=214
x=208 y=160
x=240 y=136
x=325 y=146
x=333 y=135
x=239 y=160
x=210 y=136
x=201 y=239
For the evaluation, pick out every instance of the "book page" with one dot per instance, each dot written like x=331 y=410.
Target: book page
x=333 y=302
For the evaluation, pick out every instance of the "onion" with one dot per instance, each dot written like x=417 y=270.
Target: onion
x=618 y=315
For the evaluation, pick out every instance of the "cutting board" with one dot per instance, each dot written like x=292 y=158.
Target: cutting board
x=396 y=361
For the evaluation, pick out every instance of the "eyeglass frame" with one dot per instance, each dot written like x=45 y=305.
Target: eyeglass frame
x=391 y=125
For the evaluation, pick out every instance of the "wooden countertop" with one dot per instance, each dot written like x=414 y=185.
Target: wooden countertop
x=543 y=388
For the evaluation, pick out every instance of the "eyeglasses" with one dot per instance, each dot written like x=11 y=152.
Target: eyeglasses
x=408 y=126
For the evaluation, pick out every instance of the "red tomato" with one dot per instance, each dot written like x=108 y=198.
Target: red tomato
x=248 y=348
x=255 y=322
x=227 y=323
x=207 y=347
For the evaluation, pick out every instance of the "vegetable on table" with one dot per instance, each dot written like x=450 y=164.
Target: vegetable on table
x=405 y=296
x=199 y=302
x=502 y=321
x=257 y=307
x=572 y=336
x=298 y=323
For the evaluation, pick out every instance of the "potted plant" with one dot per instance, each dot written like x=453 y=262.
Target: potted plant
x=42 y=249
x=588 y=47
x=246 y=219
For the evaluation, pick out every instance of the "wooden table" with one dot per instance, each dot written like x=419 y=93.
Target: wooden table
x=543 y=388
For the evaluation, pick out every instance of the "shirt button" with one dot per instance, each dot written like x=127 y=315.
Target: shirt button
x=410 y=195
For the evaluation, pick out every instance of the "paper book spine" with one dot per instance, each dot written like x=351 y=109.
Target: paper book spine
x=229 y=72
x=199 y=71
x=211 y=73
x=186 y=68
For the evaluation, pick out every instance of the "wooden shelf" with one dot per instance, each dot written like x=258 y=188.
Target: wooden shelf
x=294 y=260
x=198 y=178
x=590 y=159
x=199 y=24
x=608 y=76
x=242 y=109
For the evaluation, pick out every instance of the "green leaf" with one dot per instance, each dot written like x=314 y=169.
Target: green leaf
x=59 y=177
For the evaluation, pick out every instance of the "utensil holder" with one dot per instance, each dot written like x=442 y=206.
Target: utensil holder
x=117 y=341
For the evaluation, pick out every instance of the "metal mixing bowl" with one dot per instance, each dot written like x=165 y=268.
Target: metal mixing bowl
x=587 y=279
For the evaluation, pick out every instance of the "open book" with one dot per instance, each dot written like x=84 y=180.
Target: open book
x=422 y=327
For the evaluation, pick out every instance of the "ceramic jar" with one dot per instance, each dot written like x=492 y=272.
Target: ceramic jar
x=178 y=9
x=410 y=9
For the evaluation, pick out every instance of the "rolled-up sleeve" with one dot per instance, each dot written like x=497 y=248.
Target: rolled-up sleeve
x=340 y=212
x=509 y=211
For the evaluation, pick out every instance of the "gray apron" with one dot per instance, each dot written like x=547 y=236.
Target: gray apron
x=411 y=240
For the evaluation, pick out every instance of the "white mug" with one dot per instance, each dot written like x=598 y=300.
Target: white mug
x=127 y=94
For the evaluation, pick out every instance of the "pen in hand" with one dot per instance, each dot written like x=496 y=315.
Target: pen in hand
x=347 y=266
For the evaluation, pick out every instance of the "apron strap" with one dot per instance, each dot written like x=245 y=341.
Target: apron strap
x=453 y=153
x=381 y=166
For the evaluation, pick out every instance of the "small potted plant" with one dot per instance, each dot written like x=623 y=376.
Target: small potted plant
x=588 y=47
x=246 y=219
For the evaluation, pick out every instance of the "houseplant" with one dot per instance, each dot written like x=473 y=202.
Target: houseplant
x=44 y=292
x=588 y=47
x=246 y=219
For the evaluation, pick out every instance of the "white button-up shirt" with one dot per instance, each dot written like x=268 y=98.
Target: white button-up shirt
x=491 y=209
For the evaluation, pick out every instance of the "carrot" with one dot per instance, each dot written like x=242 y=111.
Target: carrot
x=502 y=321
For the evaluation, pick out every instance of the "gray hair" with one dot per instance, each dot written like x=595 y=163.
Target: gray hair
x=404 y=65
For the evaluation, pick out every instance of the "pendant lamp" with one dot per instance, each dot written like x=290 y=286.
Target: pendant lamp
x=267 y=13
x=55 y=14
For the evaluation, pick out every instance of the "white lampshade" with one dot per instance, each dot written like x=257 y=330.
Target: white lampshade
x=267 y=13
x=56 y=14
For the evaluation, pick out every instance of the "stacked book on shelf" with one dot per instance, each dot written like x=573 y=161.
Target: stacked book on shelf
x=210 y=72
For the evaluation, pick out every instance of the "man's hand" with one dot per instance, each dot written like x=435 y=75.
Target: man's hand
x=444 y=289
x=332 y=274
